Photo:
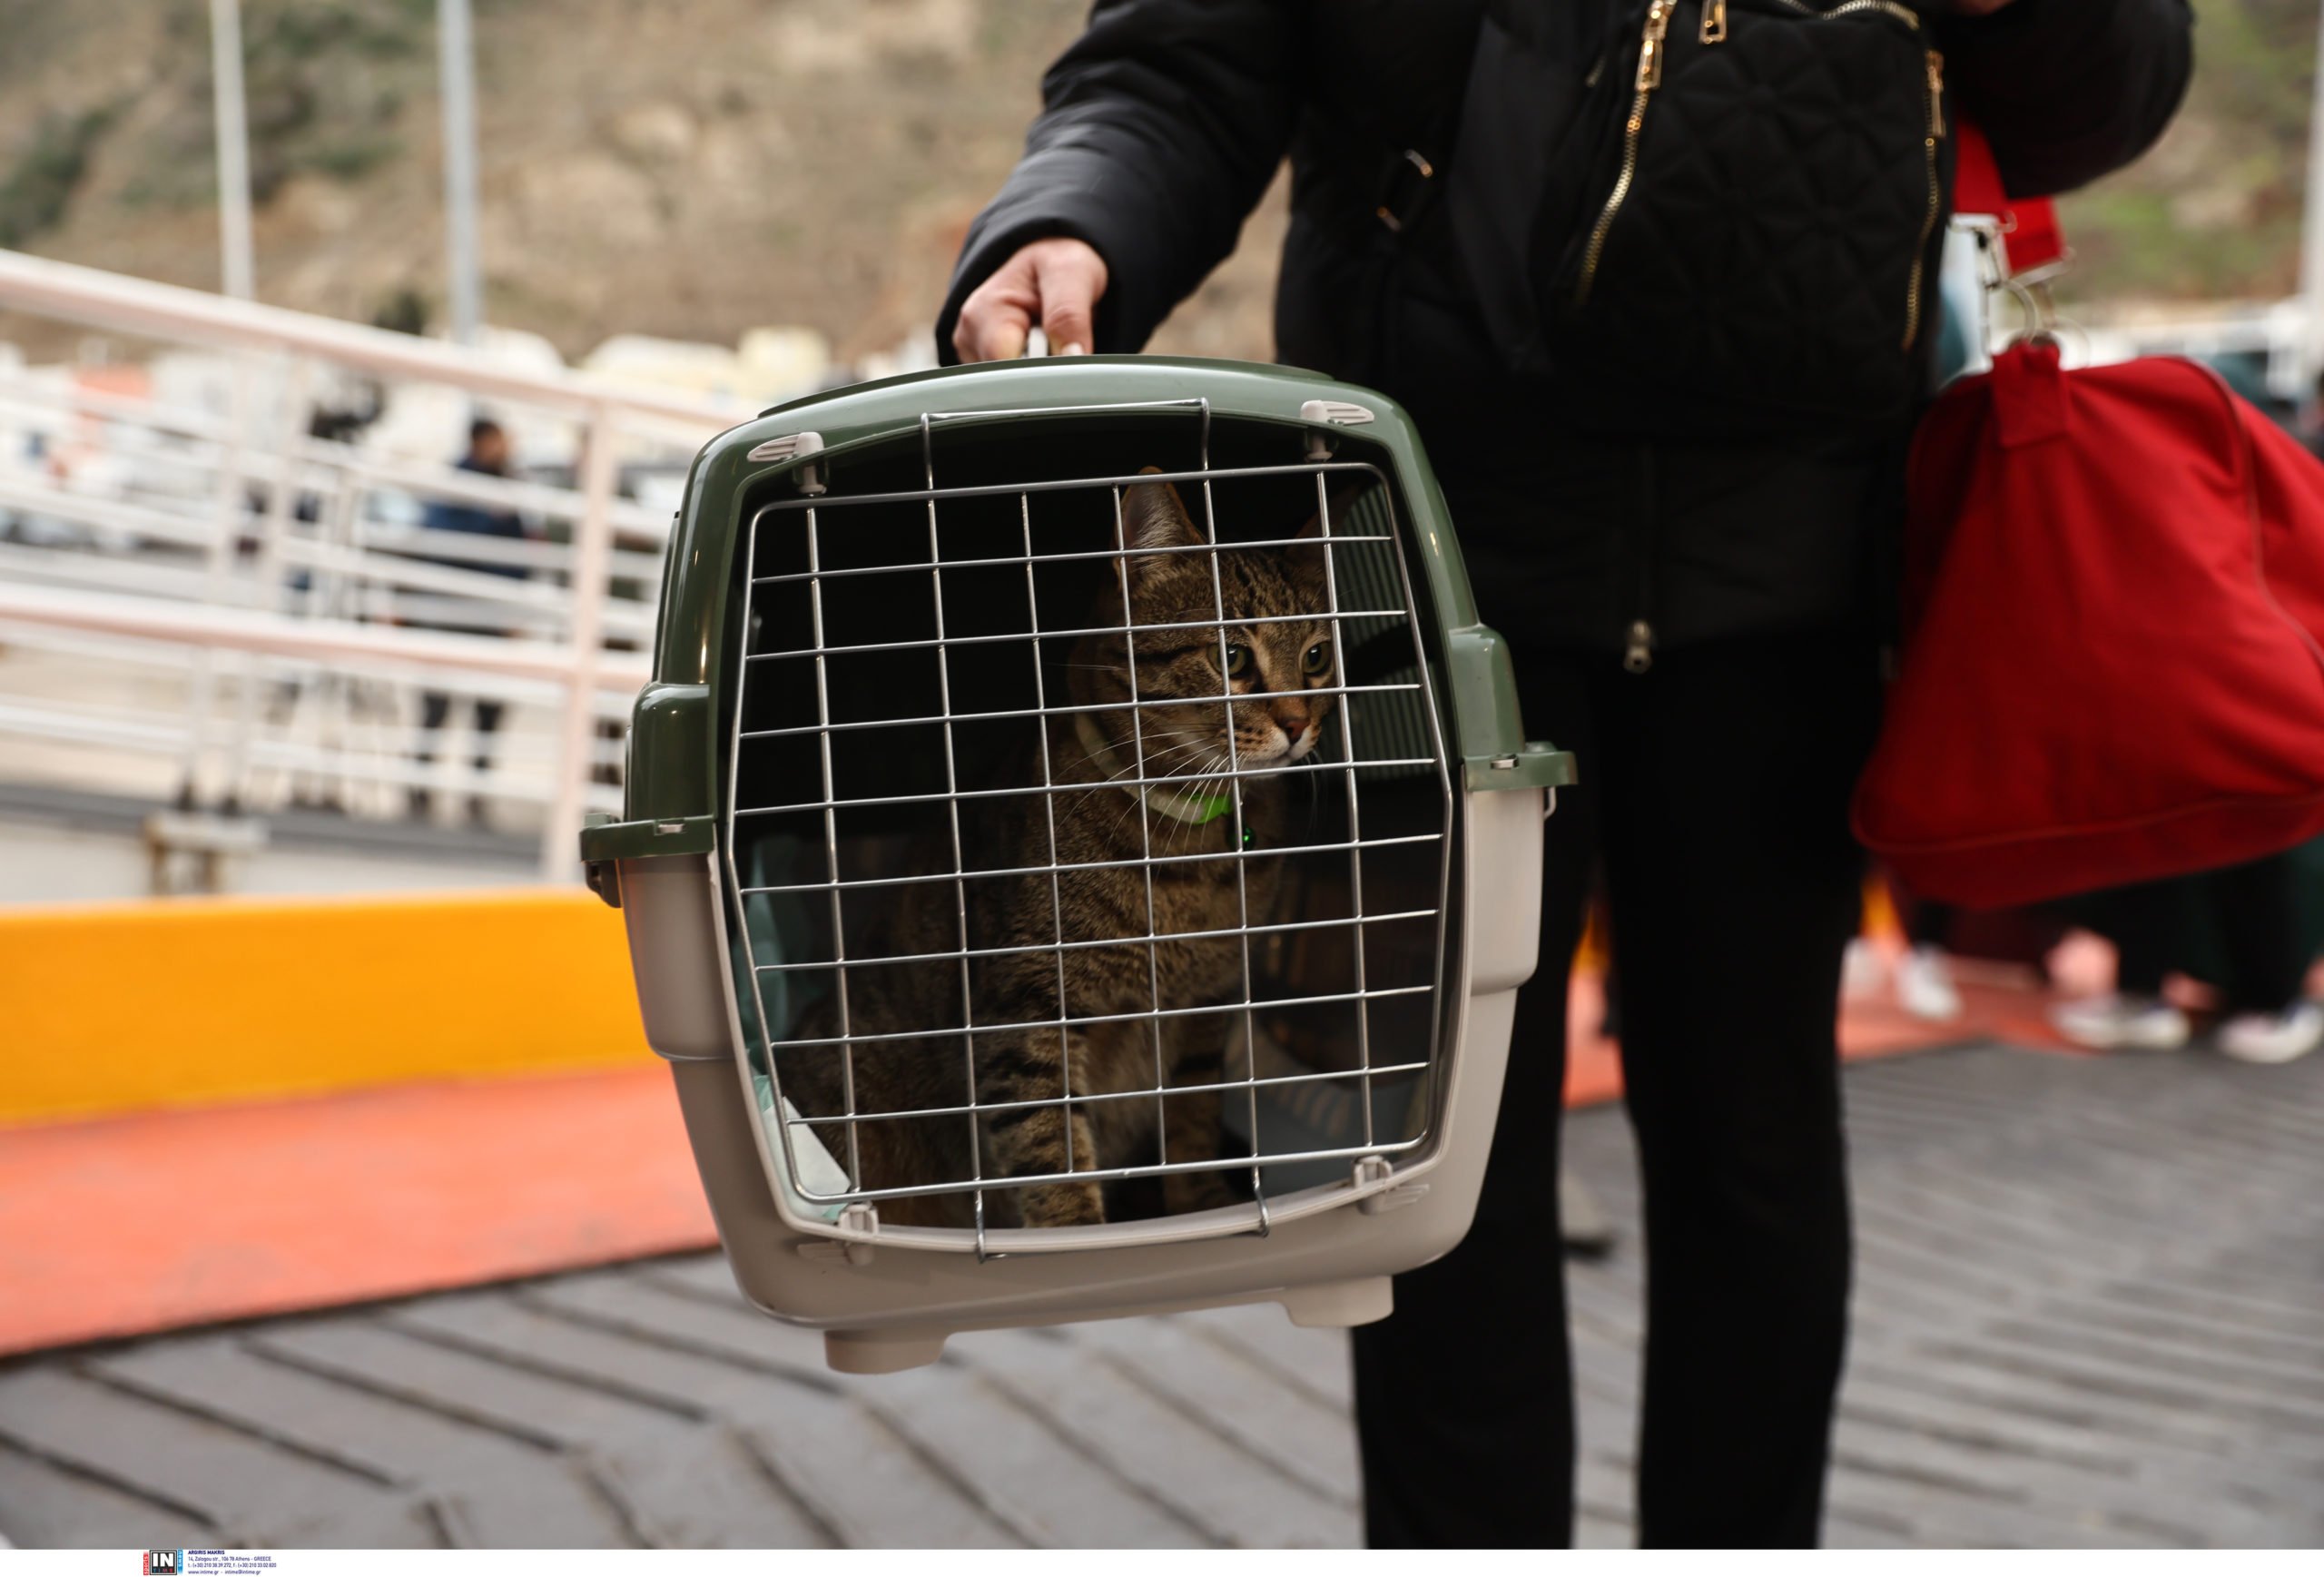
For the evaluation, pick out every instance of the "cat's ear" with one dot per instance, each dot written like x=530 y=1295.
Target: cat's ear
x=1154 y=516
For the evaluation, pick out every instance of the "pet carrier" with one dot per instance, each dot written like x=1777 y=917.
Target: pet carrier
x=1081 y=850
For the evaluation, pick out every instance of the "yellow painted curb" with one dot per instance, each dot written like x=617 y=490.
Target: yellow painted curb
x=118 y=1007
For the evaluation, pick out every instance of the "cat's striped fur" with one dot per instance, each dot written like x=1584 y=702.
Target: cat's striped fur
x=1101 y=894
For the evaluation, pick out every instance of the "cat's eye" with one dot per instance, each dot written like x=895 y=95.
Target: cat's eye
x=1238 y=661
x=1318 y=660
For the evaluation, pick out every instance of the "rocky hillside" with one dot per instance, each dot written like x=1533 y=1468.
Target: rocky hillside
x=2215 y=209
x=694 y=167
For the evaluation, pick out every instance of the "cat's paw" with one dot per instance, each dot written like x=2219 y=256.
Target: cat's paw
x=1065 y=1205
x=1184 y=1193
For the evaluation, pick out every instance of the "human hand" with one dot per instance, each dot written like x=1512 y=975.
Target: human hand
x=1055 y=283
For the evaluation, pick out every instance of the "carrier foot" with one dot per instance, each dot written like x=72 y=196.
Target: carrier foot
x=882 y=1352
x=1341 y=1302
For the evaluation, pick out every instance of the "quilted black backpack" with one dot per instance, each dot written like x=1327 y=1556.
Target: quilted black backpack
x=1709 y=217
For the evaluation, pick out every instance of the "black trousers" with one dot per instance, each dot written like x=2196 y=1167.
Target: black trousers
x=436 y=709
x=1716 y=788
x=2256 y=910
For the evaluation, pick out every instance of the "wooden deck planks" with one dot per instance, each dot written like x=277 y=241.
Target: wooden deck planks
x=2090 y=1311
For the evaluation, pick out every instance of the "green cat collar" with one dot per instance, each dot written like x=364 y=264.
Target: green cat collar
x=1200 y=810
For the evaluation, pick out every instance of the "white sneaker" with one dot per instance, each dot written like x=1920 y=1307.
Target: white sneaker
x=1861 y=968
x=2282 y=1037
x=1924 y=985
x=2111 y=1021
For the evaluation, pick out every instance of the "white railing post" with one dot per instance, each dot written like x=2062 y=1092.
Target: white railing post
x=591 y=558
x=266 y=590
x=219 y=558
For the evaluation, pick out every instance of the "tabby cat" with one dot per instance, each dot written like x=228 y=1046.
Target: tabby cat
x=1100 y=895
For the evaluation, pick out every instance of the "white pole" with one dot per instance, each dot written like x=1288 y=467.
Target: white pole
x=2311 y=249
x=237 y=278
x=458 y=90
x=237 y=272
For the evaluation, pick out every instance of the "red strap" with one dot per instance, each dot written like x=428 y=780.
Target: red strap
x=1977 y=178
x=2032 y=237
x=2029 y=395
x=2035 y=240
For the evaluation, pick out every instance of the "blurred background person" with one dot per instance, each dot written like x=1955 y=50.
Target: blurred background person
x=1924 y=985
x=489 y=453
x=1921 y=976
x=2158 y=927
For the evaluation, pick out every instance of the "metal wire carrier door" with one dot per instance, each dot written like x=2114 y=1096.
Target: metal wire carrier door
x=1091 y=835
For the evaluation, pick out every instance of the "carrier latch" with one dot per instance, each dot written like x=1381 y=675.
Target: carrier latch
x=1331 y=413
x=792 y=447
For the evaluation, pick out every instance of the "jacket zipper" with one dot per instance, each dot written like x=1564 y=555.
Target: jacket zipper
x=1653 y=49
x=1637 y=640
x=1935 y=197
x=1889 y=7
x=1638 y=652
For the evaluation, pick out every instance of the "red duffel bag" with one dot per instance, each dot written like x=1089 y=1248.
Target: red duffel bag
x=2110 y=673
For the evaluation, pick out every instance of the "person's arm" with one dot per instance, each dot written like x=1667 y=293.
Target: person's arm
x=1161 y=126
x=2067 y=90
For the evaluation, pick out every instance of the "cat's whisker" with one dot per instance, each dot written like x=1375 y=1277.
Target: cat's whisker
x=1203 y=783
x=1136 y=799
x=1151 y=758
x=1196 y=783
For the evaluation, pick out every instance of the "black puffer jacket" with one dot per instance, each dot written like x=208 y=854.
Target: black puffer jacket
x=1165 y=120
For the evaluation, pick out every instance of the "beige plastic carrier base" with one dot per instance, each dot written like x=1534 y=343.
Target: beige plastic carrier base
x=888 y=1299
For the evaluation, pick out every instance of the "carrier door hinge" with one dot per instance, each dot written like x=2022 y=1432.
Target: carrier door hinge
x=1373 y=1172
x=858 y=1217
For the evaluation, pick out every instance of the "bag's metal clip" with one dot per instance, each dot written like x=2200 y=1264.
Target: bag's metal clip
x=1405 y=189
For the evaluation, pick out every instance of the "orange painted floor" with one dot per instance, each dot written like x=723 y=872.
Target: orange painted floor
x=144 y=1223
x=1998 y=1003
x=136 y=1224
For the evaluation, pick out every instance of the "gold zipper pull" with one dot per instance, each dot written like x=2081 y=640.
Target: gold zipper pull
x=1715 y=22
x=1649 y=50
x=1935 y=93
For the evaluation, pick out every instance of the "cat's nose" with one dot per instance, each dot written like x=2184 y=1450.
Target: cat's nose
x=1291 y=715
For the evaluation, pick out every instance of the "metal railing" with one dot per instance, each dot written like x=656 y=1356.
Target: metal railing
x=189 y=577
